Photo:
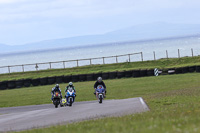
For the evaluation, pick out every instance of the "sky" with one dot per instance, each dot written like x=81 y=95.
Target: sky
x=27 y=21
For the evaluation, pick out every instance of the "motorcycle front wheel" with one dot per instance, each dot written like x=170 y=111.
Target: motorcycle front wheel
x=100 y=98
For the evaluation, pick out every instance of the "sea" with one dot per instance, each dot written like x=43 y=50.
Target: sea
x=67 y=57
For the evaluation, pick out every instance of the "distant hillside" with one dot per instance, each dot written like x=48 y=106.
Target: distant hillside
x=156 y=30
x=4 y=48
x=135 y=33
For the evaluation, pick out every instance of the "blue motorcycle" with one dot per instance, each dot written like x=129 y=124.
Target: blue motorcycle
x=100 y=93
x=70 y=96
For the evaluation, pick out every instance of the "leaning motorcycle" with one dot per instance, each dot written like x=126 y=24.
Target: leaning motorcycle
x=70 y=96
x=63 y=102
x=56 y=99
x=100 y=93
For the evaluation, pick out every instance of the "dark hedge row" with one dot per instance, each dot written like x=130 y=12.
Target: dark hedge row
x=90 y=77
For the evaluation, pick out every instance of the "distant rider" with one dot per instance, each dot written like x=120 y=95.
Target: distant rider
x=55 y=89
x=70 y=86
x=99 y=82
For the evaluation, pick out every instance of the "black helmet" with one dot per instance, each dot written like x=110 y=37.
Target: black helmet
x=99 y=79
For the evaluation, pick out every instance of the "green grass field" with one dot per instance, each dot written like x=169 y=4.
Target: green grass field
x=162 y=64
x=136 y=86
x=174 y=102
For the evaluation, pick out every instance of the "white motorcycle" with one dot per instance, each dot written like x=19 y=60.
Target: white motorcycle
x=70 y=96
x=100 y=93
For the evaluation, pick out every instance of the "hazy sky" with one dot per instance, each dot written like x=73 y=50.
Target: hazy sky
x=25 y=21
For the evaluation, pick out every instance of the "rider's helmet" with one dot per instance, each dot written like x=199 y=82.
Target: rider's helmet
x=99 y=79
x=70 y=83
x=57 y=86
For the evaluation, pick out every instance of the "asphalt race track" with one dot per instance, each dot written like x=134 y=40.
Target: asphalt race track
x=37 y=116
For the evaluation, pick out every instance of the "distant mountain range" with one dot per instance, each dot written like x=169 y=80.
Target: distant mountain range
x=136 y=33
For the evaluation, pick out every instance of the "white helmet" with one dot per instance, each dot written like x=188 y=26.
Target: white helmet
x=99 y=79
x=57 y=86
x=70 y=83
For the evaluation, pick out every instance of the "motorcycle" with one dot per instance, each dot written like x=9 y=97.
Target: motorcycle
x=70 y=96
x=100 y=93
x=56 y=99
x=63 y=102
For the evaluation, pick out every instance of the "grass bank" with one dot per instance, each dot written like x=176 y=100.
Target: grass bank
x=174 y=101
x=162 y=64
x=137 y=87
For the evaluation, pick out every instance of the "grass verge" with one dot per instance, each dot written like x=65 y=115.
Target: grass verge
x=162 y=64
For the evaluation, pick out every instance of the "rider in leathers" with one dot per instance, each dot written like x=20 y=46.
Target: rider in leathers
x=70 y=86
x=55 y=89
x=99 y=82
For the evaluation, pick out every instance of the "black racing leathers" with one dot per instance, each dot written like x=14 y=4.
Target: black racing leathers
x=96 y=84
x=54 y=90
